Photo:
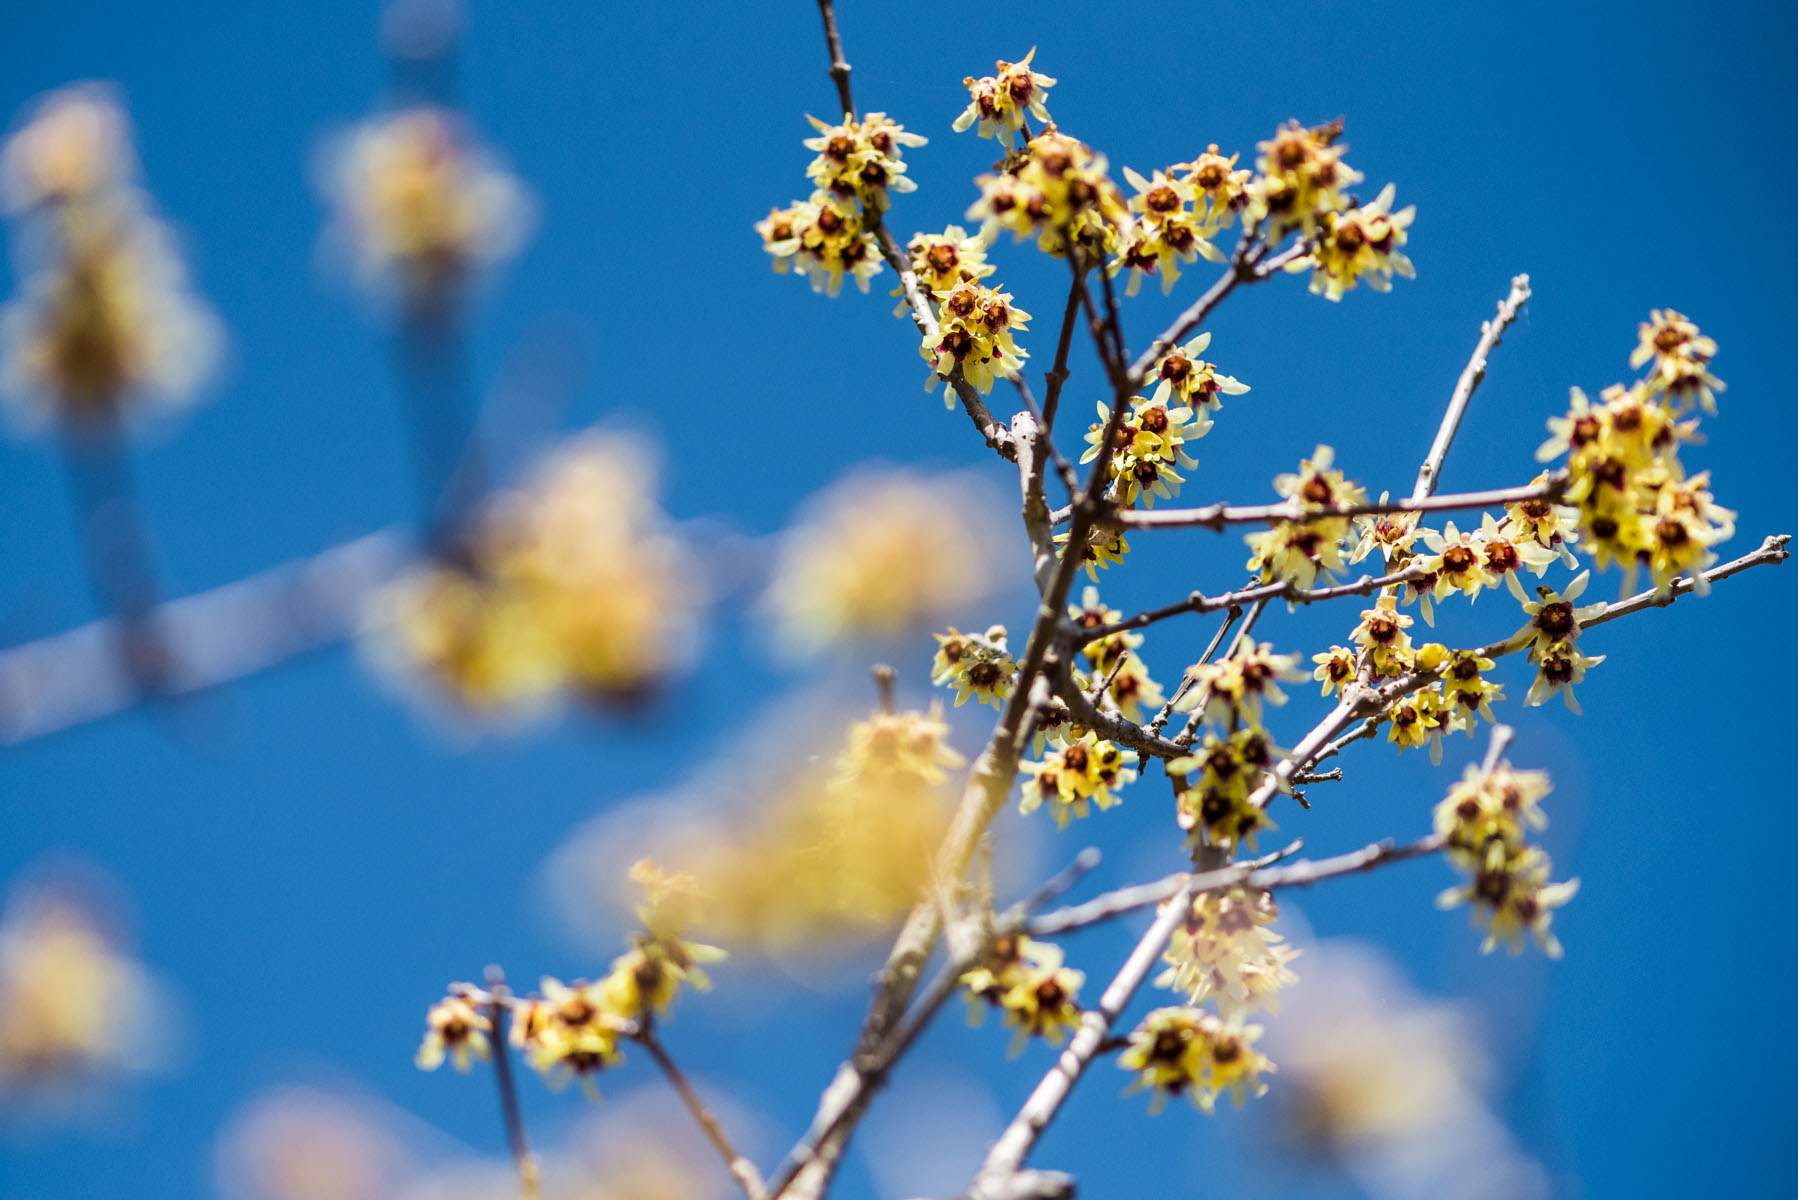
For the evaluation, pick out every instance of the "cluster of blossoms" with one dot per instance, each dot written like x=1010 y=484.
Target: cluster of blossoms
x=1129 y=689
x=574 y=1029
x=1635 y=505
x=1027 y=981
x=1484 y=821
x=827 y=236
x=1300 y=179
x=106 y=318
x=1216 y=807
x=1360 y=243
x=1174 y=223
x=974 y=336
x=419 y=202
x=1553 y=633
x=1057 y=190
x=1225 y=951
x=1150 y=440
x=1187 y=1051
x=571 y=583
x=940 y=261
x=1297 y=551
x=878 y=555
x=1077 y=772
x=1001 y=103
x=976 y=665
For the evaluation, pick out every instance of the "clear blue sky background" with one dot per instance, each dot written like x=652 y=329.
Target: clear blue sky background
x=314 y=873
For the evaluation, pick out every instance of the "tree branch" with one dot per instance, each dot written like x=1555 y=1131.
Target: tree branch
x=1217 y=516
x=1490 y=333
x=740 y=1168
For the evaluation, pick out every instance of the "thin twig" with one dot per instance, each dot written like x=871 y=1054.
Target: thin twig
x=498 y=1000
x=839 y=69
x=1198 y=602
x=740 y=1168
x=1490 y=333
x=1217 y=516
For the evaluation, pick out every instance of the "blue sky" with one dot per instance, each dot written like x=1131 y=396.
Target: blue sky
x=312 y=870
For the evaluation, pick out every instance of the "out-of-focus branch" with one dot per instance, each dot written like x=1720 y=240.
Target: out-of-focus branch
x=210 y=638
x=740 y=1168
x=1490 y=333
x=497 y=1001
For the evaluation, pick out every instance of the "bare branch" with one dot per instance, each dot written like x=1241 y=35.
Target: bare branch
x=498 y=1003
x=211 y=638
x=839 y=69
x=740 y=1168
x=1217 y=516
x=1490 y=333
x=1198 y=602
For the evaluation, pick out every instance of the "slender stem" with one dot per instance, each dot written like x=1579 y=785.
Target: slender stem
x=1490 y=333
x=1258 y=874
x=1217 y=516
x=839 y=69
x=1198 y=602
x=1058 y=374
x=498 y=1016
x=740 y=1168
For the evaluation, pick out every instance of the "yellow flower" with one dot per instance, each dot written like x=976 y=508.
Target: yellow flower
x=940 y=261
x=1558 y=668
x=976 y=330
x=455 y=1028
x=1002 y=102
x=1391 y=533
x=1553 y=527
x=1418 y=720
x=1167 y=232
x=1184 y=378
x=1184 y=1051
x=1465 y=690
x=1078 y=772
x=1215 y=809
x=976 y=665
x=1553 y=617
x=1101 y=551
x=1301 y=178
x=1511 y=896
x=1044 y=1001
x=1216 y=179
x=417 y=197
x=1335 y=668
x=908 y=747
x=1052 y=190
x=1233 y=688
x=573 y=1034
x=1681 y=359
x=861 y=159
x=1225 y=951
x=1381 y=635
x=1360 y=243
x=1484 y=808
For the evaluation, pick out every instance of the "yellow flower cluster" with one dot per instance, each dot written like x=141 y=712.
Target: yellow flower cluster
x=105 y=317
x=1078 y=772
x=1226 y=952
x=1484 y=821
x=1553 y=630
x=420 y=201
x=942 y=260
x=1002 y=102
x=1232 y=689
x=1183 y=378
x=1027 y=981
x=1102 y=549
x=860 y=160
x=1168 y=229
x=878 y=556
x=1182 y=1051
x=1150 y=442
x=1301 y=179
x=570 y=584
x=828 y=235
x=1056 y=190
x=825 y=238
x=1128 y=686
x=1360 y=243
x=1636 y=506
x=1214 y=809
x=975 y=336
x=574 y=1029
x=976 y=665
x=1297 y=551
